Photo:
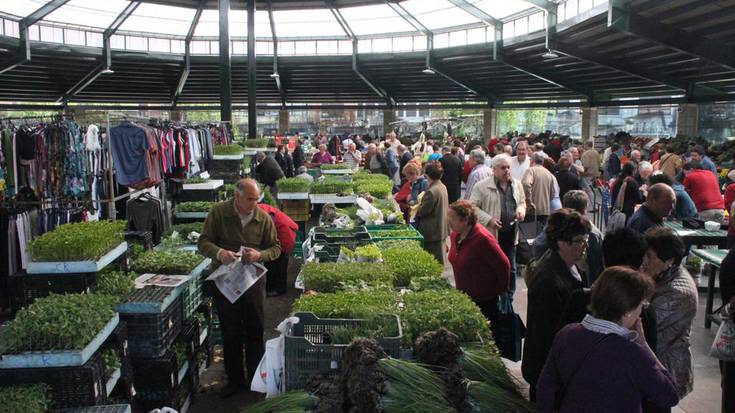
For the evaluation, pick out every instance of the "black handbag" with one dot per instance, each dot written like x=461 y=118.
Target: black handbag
x=527 y=233
x=508 y=330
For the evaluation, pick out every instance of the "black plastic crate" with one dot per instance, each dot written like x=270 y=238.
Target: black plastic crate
x=176 y=398
x=27 y=288
x=150 y=335
x=77 y=386
x=108 y=408
x=155 y=378
x=340 y=235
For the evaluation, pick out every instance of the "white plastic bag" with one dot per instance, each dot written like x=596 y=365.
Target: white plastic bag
x=269 y=377
x=723 y=347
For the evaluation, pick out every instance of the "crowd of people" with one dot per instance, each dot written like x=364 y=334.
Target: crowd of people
x=620 y=296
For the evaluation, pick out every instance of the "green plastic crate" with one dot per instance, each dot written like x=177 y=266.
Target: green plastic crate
x=371 y=229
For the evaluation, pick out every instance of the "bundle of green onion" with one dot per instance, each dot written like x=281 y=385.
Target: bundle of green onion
x=481 y=364
x=295 y=401
x=412 y=388
x=488 y=398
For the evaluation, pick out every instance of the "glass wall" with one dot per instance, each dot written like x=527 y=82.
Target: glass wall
x=652 y=121
x=717 y=121
x=566 y=121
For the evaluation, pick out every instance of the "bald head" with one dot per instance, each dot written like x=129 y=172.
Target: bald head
x=661 y=199
x=247 y=195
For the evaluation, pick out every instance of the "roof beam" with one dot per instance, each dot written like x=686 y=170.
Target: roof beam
x=488 y=20
x=106 y=64
x=521 y=67
x=620 y=17
x=186 y=69
x=276 y=75
x=401 y=11
x=24 y=51
x=543 y=4
x=355 y=62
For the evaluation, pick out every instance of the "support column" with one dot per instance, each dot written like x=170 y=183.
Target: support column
x=490 y=119
x=225 y=65
x=589 y=123
x=177 y=115
x=389 y=116
x=284 y=118
x=252 y=109
x=688 y=122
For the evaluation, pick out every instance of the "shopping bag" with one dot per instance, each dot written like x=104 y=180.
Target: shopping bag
x=508 y=330
x=723 y=347
x=268 y=378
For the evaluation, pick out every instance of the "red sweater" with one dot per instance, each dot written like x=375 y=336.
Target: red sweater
x=481 y=269
x=702 y=186
x=285 y=227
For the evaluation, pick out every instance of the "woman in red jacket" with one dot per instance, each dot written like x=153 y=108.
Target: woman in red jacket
x=481 y=269
x=277 y=276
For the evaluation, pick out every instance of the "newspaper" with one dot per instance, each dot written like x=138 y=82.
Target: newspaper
x=237 y=277
x=161 y=280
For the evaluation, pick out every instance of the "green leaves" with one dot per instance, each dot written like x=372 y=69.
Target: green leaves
x=334 y=166
x=81 y=241
x=408 y=260
x=195 y=206
x=287 y=185
x=329 y=277
x=348 y=304
x=58 y=322
x=377 y=189
x=166 y=262
x=227 y=149
x=185 y=229
x=115 y=283
x=196 y=180
x=332 y=185
x=256 y=143
x=24 y=399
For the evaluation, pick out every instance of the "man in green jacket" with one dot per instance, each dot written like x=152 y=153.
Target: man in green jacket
x=230 y=225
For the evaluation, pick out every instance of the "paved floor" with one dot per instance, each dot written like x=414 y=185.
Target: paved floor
x=704 y=399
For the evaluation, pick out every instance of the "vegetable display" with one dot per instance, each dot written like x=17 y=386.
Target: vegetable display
x=228 y=149
x=348 y=304
x=329 y=277
x=334 y=166
x=166 y=262
x=293 y=185
x=185 y=229
x=429 y=283
x=408 y=260
x=79 y=241
x=24 y=399
x=377 y=189
x=195 y=180
x=115 y=283
x=256 y=143
x=449 y=308
x=331 y=185
x=58 y=322
x=367 y=176
x=399 y=231
x=194 y=206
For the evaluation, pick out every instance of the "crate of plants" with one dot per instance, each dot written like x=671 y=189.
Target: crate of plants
x=24 y=289
x=77 y=247
x=151 y=334
x=376 y=189
x=394 y=232
x=315 y=345
x=158 y=378
x=336 y=168
x=253 y=146
x=192 y=296
x=329 y=276
x=228 y=152
x=202 y=184
x=58 y=331
x=408 y=260
x=332 y=189
x=339 y=235
x=193 y=209
x=293 y=188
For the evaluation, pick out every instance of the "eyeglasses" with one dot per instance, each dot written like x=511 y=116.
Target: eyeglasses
x=584 y=239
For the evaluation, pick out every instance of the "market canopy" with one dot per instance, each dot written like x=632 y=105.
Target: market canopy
x=487 y=52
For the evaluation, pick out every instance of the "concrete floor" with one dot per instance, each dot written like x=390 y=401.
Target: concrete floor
x=704 y=399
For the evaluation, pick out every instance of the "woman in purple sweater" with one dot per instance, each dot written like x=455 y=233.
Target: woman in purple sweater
x=603 y=364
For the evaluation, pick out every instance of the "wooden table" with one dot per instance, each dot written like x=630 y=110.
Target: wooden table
x=697 y=237
x=714 y=258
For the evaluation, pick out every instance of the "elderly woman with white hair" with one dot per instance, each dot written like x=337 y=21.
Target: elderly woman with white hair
x=645 y=169
x=478 y=171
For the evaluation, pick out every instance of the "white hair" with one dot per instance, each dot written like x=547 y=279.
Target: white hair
x=498 y=159
x=538 y=158
x=478 y=155
x=645 y=165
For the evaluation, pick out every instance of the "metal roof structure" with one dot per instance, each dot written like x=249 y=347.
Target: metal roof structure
x=620 y=53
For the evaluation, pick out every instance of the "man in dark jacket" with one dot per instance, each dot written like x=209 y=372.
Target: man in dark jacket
x=452 y=177
x=267 y=171
x=404 y=156
x=298 y=155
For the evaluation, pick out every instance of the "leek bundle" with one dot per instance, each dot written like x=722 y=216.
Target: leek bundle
x=412 y=388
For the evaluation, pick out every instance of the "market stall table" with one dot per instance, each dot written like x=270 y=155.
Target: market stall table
x=697 y=237
x=714 y=258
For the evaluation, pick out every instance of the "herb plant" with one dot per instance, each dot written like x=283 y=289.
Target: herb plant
x=334 y=166
x=58 y=322
x=412 y=388
x=408 y=262
x=115 y=283
x=81 y=241
x=111 y=361
x=328 y=276
x=166 y=262
x=196 y=180
x=367 y=176
x=24 y=399
x=332 y=185
x=378 y=189
x=429 y=283
x=293 y=185
x=185 y=229
x=256 y=143
x=227 y=149
x=268 y=197
x=194 y=206
x=368 y=253
x=375 y=327
x=398 y=231
x=348 y=304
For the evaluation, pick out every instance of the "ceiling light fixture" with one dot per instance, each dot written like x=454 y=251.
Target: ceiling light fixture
x=275 y=75
x=428 y=71
x=549 y=54
x=107 y=71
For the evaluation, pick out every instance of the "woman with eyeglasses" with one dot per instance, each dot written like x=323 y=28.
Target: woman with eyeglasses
x=550 y=284
x=675 y=302
x=604 y=363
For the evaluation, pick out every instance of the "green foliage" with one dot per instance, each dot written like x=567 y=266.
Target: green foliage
x=194 y=206
x=334 y=166
x=412 y=388
x=329 y=276
x=81 y=241
x=432 y=309
x=179 y=349
x=482 y=363
x=115 y=283
x=399 y=231
x=58 y=322
x=374 y=327
x=256 y=143
x=196 y=180
x=489 y=399
x=24 y=399
x=348 y=304
x=111 y=361
x=408 y=262
x=166 y=262
x=378 y=189
x=331 y=185
x=293 y=185
x=228 y=149
x=185 y=229
x=369 y=252
x=398 y=243
x=429 y=283
x=268 y=197
x=363 y=176
x=294 y=401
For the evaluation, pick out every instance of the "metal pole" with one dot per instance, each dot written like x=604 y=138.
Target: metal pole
x=225 y=65
x=111 y=203
x=252 y=109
